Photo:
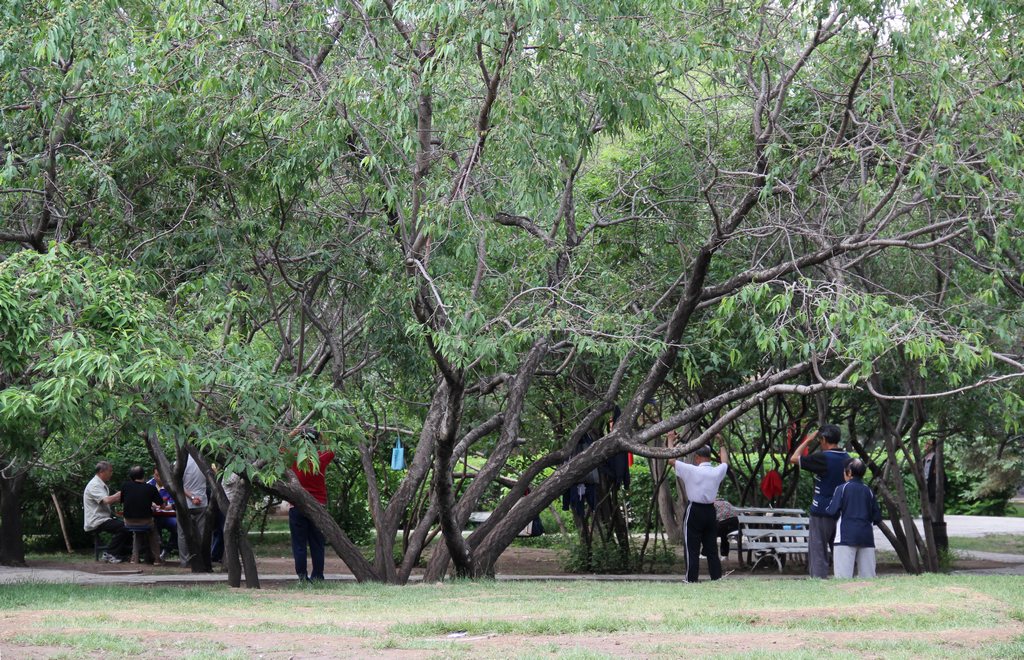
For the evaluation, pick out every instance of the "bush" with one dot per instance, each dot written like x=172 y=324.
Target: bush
x=610 y=558
x=980 y=483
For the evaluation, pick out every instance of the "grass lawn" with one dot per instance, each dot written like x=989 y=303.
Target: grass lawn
x=901 y=617
x=1012 y=544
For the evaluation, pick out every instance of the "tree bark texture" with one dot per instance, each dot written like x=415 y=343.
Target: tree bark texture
x=12 y=540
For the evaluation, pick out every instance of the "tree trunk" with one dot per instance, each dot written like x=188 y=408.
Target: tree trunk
x=893 y=478
x=586 y=531
x=895 y=535
x=200 y=561
x=417 y=471
x=290 y=490
x=510 y=421
x=498 y=535
x=899 y=498
x=667 y=509
x=236 y=545
x=939 y=505
x=12 y=541
x=930 y=553
x=444 y=487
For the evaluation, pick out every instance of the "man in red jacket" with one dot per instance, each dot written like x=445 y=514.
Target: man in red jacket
x=303 y=531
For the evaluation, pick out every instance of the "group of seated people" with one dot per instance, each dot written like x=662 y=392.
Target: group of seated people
x=148 y=509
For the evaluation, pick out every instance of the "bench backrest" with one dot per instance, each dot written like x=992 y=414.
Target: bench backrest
x=778 y=532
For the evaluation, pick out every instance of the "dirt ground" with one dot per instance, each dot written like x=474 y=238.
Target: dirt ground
x=304 y=646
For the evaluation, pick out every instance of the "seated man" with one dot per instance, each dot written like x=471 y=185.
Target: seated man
x=139 y=500
x=165 y=516
x=99 y=517
x=728 y=522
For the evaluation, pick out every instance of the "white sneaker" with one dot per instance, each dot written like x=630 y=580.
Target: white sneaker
x=111 y=559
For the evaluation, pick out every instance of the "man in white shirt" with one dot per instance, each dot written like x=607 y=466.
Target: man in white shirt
x=700 y=526
x=194 y=484
x=99 y=517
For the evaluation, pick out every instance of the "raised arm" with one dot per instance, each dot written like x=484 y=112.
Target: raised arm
x=795 y=458
x=672 y=437
x=723 y=450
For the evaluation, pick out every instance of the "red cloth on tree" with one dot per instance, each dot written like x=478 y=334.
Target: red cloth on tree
x=314 y=482
x=771 y=485
x=790 y=436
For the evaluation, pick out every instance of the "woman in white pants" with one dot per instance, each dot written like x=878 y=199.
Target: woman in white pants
x=857 y=510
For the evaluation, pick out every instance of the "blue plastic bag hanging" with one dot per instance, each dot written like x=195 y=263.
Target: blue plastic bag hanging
x=398 y=456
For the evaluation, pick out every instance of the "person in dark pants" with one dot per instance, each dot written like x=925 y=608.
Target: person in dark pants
x=827 y=466
x=99 y=517
x=728 y=519
x=165 y=517
x=139 y=500
x=303 y=531
x=700 y=525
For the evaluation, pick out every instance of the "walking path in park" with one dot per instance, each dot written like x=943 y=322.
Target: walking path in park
x=967 y=527
x=957 y=526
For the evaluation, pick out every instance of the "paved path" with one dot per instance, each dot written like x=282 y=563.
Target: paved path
x=127 y=576
x=58 y=576
x=967 y=527
x=962 y=526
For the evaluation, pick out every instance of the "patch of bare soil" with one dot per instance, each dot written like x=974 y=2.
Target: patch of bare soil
x=761 y=616
x=645 y=645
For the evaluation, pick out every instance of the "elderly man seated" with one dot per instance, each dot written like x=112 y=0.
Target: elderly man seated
x=99 y=517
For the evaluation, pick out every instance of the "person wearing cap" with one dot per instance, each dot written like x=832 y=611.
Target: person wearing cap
x=700 y=526
x=304 y=531
x=857 y=510
x=827 y=467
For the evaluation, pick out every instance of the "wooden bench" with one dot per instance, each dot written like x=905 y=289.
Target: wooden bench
x=772 y=533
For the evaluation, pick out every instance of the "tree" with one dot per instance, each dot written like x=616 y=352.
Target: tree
x=83 y=352
x=438 y=213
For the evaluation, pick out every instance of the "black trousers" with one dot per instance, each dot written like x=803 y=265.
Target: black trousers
x=700 y=530
x=121 y=540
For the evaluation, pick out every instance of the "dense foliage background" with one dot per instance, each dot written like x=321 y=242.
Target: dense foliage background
x=481 y=226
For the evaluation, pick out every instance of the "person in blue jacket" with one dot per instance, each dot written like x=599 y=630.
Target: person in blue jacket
x=857 y=509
